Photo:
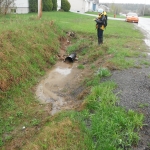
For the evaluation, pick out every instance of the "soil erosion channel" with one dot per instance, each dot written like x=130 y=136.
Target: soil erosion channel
x=56 y=84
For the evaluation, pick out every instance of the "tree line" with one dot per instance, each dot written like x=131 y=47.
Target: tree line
x=140 y=9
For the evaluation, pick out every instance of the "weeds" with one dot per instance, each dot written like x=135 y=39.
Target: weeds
x=35 y=122
x=111 y=122
x=92 y=81
x=80 y=66
x=143 y=105
x=103 y=72
x=144 y=62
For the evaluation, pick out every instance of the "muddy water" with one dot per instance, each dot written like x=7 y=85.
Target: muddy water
x=52 y=87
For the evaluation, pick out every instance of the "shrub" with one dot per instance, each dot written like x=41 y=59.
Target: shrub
x=47 y=5
x=33 y=5
x=54 y=5
x=65 y=5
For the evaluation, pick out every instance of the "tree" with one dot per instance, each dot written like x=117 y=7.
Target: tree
x=54 y=5
x=115 y=8
x=65 y=5
x=47 y=5
x=33 y=5
x=5 y=5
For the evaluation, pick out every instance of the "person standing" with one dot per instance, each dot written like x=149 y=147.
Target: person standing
x=101 y=23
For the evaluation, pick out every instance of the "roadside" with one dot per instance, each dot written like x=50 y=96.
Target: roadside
x=26 y=119
x=133 y=90
x=133 y=87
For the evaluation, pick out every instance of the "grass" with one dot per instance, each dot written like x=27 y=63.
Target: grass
x=81 y=67
x=111 y=126
x=67 y=135
x=28 y=47
x=143 y=105
x=104 y=72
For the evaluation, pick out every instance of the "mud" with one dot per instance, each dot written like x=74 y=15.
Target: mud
x=56 y=84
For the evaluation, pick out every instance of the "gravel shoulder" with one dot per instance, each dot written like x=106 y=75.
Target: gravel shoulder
x=133 y=91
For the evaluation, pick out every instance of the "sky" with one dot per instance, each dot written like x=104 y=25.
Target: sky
x=126 y=1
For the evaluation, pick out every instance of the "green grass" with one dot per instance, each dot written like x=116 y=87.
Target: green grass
x=101 y=124
x=144 y=62
x=104 y=72
x=112 y=127
x=143 y=105
x=29 y=46
x=81 y=66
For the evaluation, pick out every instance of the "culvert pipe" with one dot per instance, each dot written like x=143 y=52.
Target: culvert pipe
x=70 y=58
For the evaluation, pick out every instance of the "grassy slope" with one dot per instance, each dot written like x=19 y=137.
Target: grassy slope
x=27 y=47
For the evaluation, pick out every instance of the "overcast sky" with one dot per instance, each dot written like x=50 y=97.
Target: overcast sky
x=126 y=1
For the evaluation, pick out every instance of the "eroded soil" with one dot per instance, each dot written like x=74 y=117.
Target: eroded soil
x=59 y=86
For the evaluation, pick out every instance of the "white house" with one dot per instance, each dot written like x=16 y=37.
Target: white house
x=58 y=4
x=82 y=5
x=21 y=6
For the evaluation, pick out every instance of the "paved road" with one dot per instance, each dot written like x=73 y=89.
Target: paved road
x=144 y=23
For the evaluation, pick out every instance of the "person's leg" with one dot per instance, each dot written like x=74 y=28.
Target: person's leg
x=100 y=36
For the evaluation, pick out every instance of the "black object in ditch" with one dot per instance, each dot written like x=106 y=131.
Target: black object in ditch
x=70 y=58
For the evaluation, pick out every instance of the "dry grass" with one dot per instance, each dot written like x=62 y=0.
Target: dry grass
x=63 y=135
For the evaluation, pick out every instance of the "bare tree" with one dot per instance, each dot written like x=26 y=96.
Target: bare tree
x=5 y=5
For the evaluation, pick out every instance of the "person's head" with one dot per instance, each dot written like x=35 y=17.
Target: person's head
x=100 y=11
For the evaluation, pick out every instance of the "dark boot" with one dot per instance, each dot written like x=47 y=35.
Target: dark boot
x=99 y=41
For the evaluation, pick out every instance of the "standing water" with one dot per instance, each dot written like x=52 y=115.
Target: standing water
x=50 y=89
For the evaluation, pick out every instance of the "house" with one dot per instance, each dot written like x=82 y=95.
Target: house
x=58 y=4
x=82 y=5
x=22 y=6
x=18 y=6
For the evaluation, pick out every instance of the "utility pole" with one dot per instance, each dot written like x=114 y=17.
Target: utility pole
x=39 y=9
